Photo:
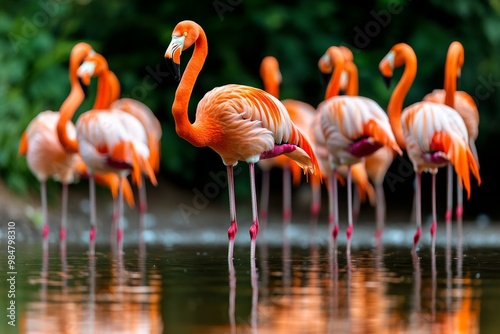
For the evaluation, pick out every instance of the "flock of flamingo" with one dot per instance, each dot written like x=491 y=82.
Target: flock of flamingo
x=347 y=138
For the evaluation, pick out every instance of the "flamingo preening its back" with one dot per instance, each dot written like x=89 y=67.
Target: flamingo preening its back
x=240 y=123
x=433 y=134
x=464 y=104
x=353 y=127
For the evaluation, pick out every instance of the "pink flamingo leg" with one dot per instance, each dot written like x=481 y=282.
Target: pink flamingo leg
x=119 y=230
x=449 y=193
x=287 y=196
x=254 y=229
x=434 y=215
x=350 y=225
x=114 y=220
x=460 y=200
x=93 y=216
x=315 y=201
x=233 y=228
x=45 y=214
x=380 y=212
x=333 y=218
x=143 y=205
x=64 y=214
x=418 y=210
x=264 y=195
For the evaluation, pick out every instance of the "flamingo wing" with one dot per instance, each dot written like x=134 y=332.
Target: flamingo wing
x=247 y=124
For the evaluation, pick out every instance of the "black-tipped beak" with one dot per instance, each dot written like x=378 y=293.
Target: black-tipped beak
x=174 y=68
x=387 y=81
x=85 y=88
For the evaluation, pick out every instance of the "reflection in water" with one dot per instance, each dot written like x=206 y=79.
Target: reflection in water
x=287 y=289
x=93 y=295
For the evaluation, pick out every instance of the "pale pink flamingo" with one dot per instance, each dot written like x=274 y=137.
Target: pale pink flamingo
x=238 y=122
x=464 y=104
x=108 y=96
x=47 y=158
x=353 y=127
x=376 y=164
x=433 y=134
x=301 y=114
x=109 y=140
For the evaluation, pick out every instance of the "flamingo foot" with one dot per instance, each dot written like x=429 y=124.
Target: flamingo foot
x=232 y=230
x=254 y=230
x=92 y=233
x=416 y=237
x=335 y=231
x=378 y=235
x=459 y=211
x=433 y=229
x=315 y=207
x=119 y=234
x=349 y=231
x=447 y=215
x=62 y=234
x=45 y=231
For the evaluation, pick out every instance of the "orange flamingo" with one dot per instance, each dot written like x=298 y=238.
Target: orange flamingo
x=433 y=134
x=108 y=97
x=238 y=122
x=109 y=140
x=464 y=104
x=301 y=114
x=353 y=127
x=378 y=163
x=46 y=157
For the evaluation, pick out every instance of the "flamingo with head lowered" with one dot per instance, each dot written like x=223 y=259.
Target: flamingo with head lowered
x=433 y=134
x=240 y=123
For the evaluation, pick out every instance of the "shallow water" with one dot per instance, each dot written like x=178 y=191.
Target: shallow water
x=291 y=288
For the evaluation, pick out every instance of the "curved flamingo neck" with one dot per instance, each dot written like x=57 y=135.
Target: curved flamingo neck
x=337 y=62
x=270 y=74
x=105 y=90
x=395 y=106
x=183 y=126
x=353 y=81
x=74 y=99
x=454 y=61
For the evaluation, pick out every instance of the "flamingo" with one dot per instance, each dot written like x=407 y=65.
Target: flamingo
x=378 y=163
x=238 y=122
x=353 y=127
x=433 y=134
x=464 y=104
x=46 y=157
x=108 y=97
x=301 y=114
x=109 y=140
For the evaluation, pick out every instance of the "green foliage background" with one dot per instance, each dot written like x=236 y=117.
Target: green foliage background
x=36 y=38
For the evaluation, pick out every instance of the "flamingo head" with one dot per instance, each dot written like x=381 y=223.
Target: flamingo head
x=386 y=67
x=184 y=35
x=94 y=65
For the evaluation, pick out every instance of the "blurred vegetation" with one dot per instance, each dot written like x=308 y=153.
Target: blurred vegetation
x=37 y=36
